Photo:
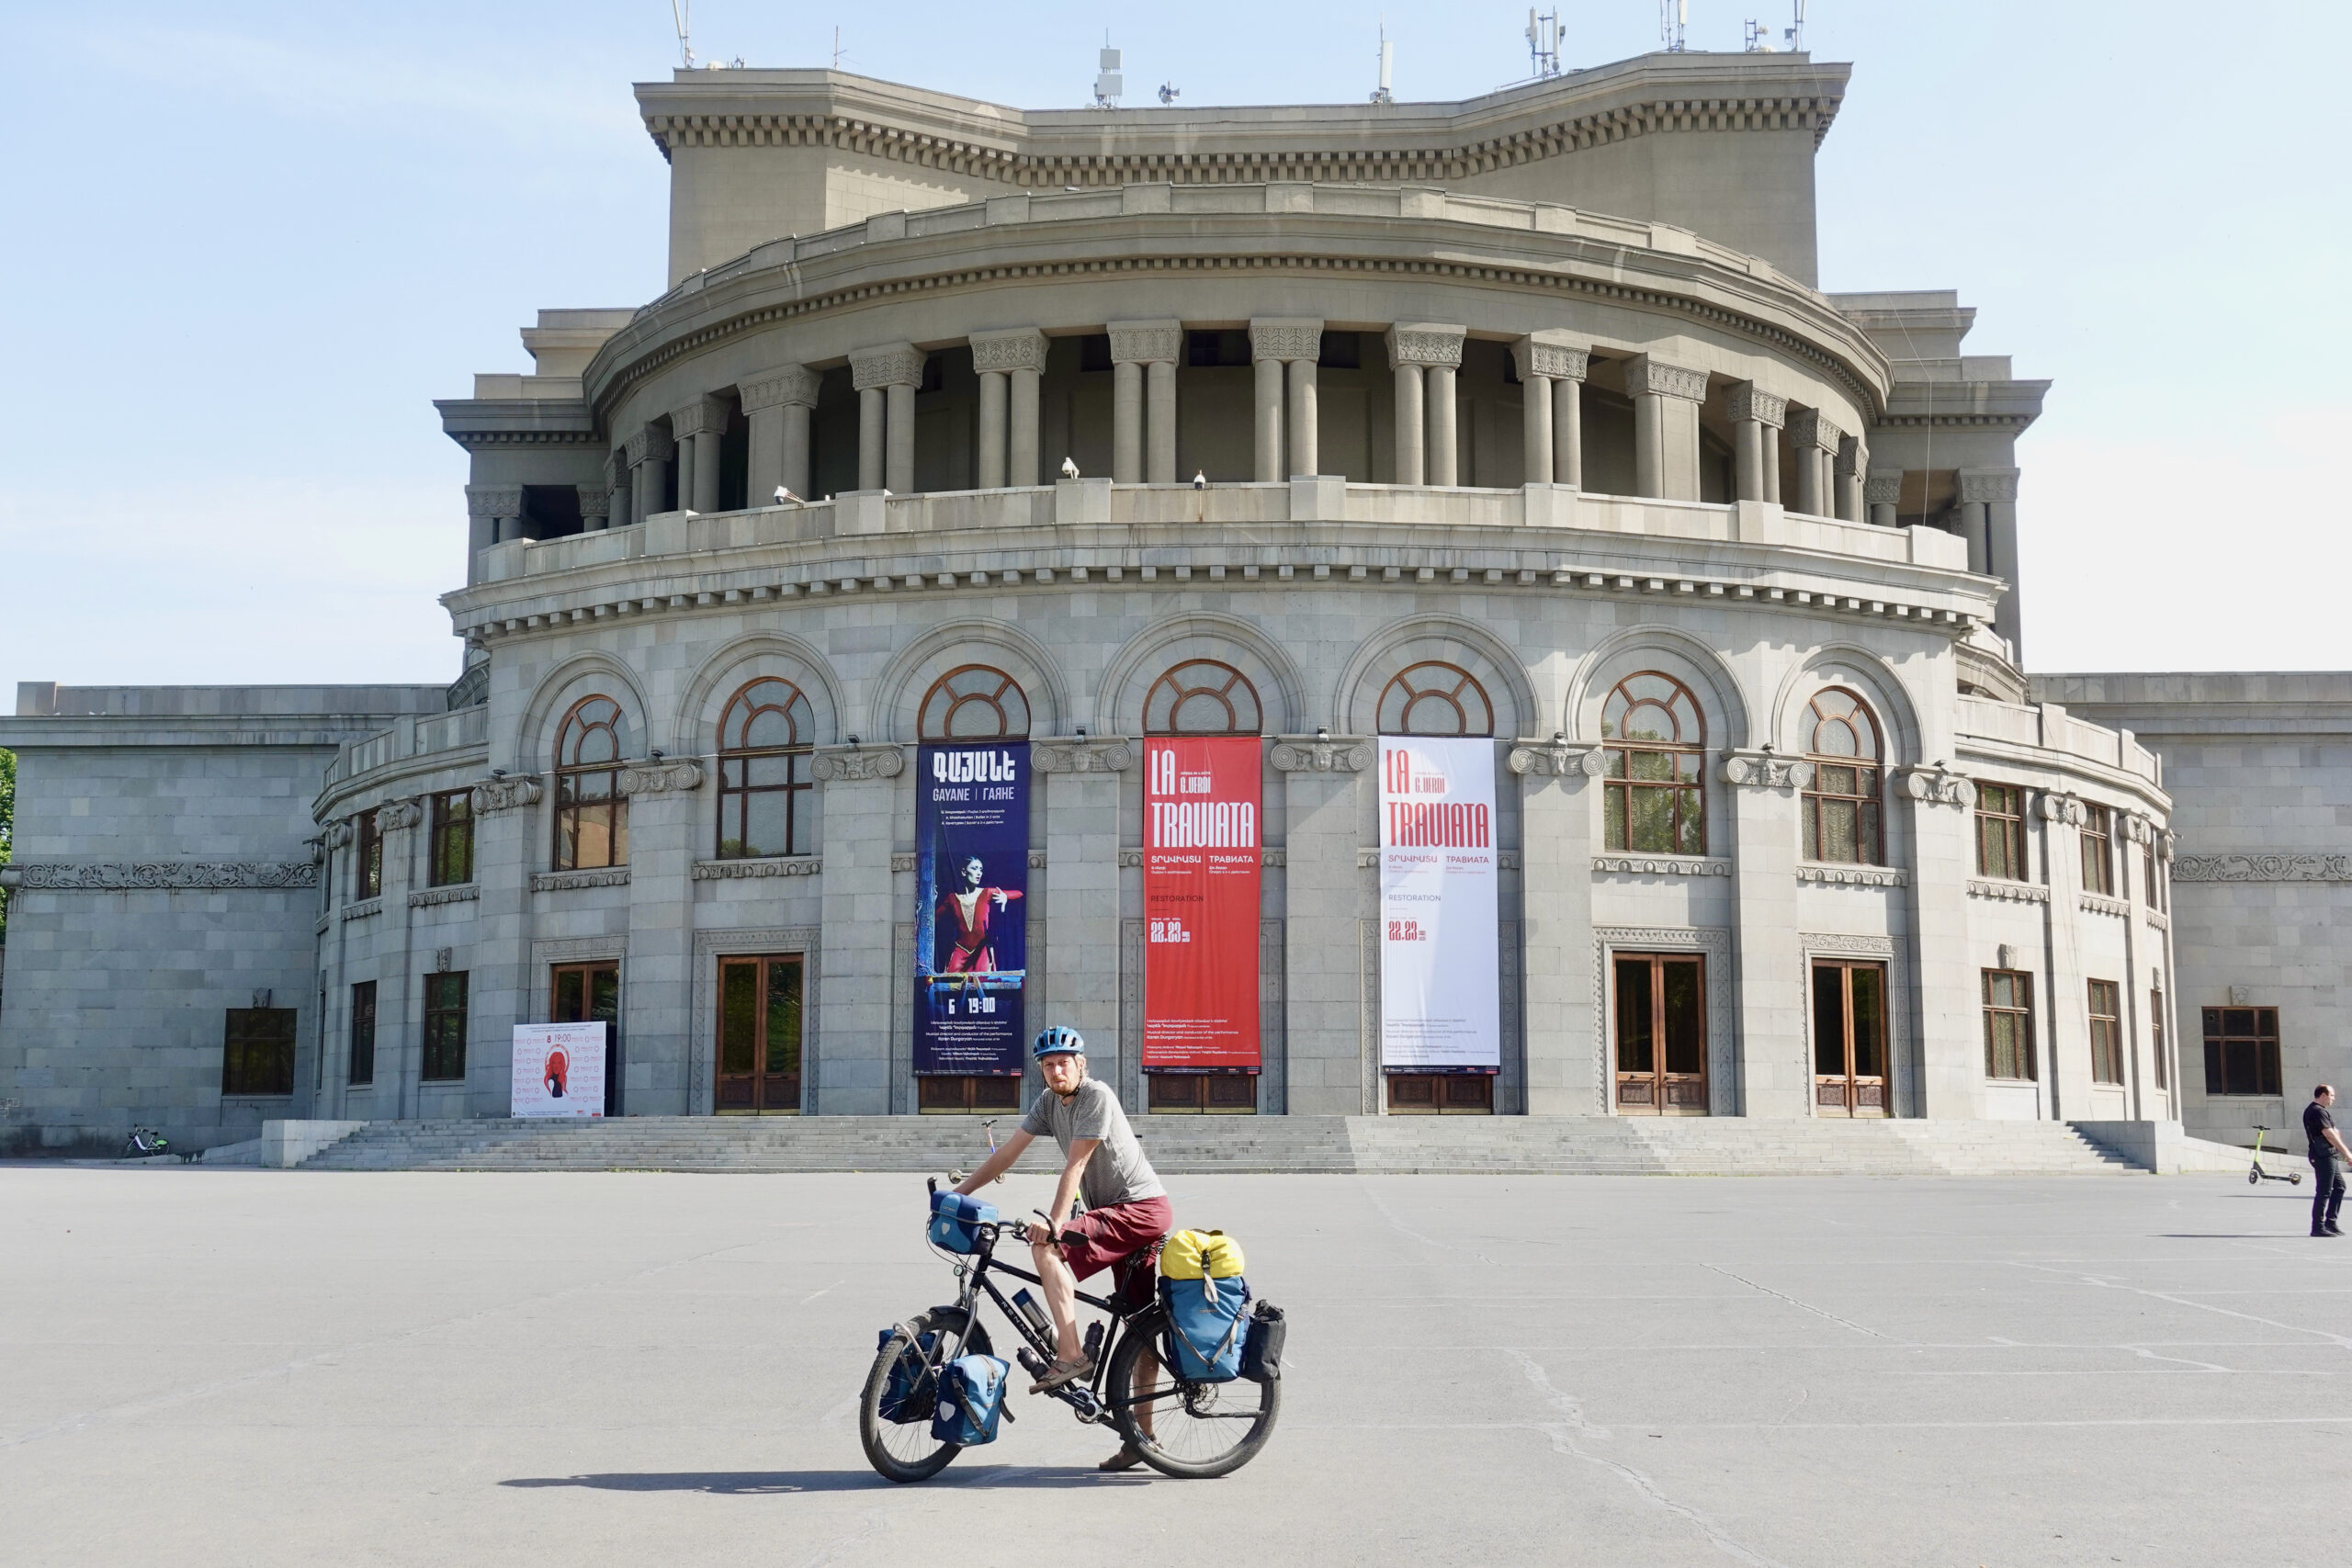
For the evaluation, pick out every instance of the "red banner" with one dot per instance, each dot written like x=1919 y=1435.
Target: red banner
x=1200 y=900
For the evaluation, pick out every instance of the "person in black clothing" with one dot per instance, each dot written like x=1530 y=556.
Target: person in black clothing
x=2326 y=1143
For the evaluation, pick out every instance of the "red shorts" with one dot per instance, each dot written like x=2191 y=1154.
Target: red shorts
x=1100 y=1237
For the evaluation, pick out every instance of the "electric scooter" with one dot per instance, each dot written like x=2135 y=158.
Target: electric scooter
x=2257 y=1175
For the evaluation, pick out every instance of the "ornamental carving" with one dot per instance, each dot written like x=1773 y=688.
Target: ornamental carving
x=111 y=876
x=2097 y=904
x=565 y=881
x=2008 y=892
x=1537 y=357
x=1808 y=428
x=338 y=834
x=776 y=865
x=682 y=776
x=1884 y=486
x=651 y=444
x=363 y=910
x=1657 y=378
x=1934 y=786
x=1286 y=341
x=795 y=386
x=1036 y=860
x=851 y=764
x=1557 y=762
x=703 y=416
x=1439 y=345
x=492 y=795
x=1083 y=757
x=1021 y=349
x=892 y=365
x=2055 y=807
x=427 y=897
x=1854 y=875
x=399 y=813
x=493 y=500
x=1321 y=755
x=2293 y=866
x=1988 y=484
x=595 y=501
x=2137 y=829
x=1658 y=866
x=1748 y=401
x=1761 y=770
x=1145 y=342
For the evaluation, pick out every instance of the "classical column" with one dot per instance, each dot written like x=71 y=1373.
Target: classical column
x=660 y=1049
x=1756 y=417
x=1551 y=367
x=1775 y=1060
x=1012 y=361
x=652 y=469
x=1080 y=779
x=1143 y=353
x=1556 y=792
x=856 y=976
x=1848 y=468
x=497 y=512
x=1813 y=438
x=1999 y=487
x=696 y=428
x=1948 y=1079
x=1276 y=343
x=886 y=378
x=991 y=454
x=1330 y=908
x=1425 y=356
x=1883 y=493
x=1665 y=427
x=595 y=507
x=1535 y=428
x=776 y=406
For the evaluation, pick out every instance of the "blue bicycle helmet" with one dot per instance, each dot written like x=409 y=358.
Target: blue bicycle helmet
x=1059 y=1041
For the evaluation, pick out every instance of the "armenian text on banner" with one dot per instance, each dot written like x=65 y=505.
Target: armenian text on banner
x=971 y=912
x=1440 y=935
x=558 y=1070
x=1200 y=900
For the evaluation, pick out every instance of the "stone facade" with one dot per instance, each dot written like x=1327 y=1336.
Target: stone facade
x=1325 y=420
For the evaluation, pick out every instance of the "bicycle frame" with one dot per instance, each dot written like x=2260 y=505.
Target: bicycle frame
x=1088 y=1399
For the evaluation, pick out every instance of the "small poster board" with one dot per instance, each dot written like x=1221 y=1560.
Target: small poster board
x=558 y=1069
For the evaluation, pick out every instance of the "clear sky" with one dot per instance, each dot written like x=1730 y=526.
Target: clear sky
x=246 y=245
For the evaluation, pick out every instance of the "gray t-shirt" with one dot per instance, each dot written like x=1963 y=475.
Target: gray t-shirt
x=1118 y=1173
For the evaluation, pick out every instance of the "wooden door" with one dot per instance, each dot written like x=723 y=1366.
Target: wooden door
x=1661 y=1046
x=1441 y=1094
x=1848 y=1039
x=958 y=1094
x=590 y=993
x=1201 y=1094
x=760 y=1022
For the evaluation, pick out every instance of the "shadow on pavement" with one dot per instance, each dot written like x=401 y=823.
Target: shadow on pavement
x=777 y=1483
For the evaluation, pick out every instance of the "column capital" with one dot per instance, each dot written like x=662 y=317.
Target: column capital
x=1748 y=401
x=1020 y=349
x=891 y=364
x=849 y=764
x=1988 y=484
x=493 y=500
x=705 y=415
x=1654 y=378
x=1110 y=754
x=679 y=775
x=1811 y=428
x=1148 y=342
x=1285 y=338
x=794 y=386
x=594 y=499
x=1884 y=486
x=1547 y=759
x=1850 y=454
x=1935 y=786
x=1426 y=342
x=650 y=445
x=617 y=466
x=1764 y=770
x=1554 y=357
x=494 y=795
x=1321 y=753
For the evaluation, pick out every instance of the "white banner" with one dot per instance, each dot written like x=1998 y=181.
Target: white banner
x=558 y=1069
x=1440 y=975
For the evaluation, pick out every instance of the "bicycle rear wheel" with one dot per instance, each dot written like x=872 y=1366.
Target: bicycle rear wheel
x=1186 y=1430
x=906 y=1451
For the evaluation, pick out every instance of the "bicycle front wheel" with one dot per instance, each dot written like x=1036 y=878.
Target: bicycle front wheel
x=905 y=1450
x=1192 y=1430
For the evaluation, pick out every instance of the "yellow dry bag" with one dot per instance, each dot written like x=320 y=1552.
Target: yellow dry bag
x=1200 y=1255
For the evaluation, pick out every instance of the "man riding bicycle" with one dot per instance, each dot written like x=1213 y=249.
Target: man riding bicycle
x=1126 y=1207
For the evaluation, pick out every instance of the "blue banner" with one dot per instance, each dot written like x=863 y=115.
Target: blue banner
x=971 y=906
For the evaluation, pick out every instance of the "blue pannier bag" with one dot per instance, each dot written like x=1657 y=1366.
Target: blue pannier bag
x=956 y=1220
x=910 y=1390
x=1208 y=1322
x=971 y=1397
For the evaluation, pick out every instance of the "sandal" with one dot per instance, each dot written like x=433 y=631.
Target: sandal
x=1128 y=1458
x=1063 y=1372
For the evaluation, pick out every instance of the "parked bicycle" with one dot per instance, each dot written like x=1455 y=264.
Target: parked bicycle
x=1182 y=1427
x=2257 y=1175
x=145 y=1142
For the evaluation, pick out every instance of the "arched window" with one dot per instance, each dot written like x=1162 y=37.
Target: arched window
x=1841 y=808
x=974 y=702
x=764 y=803
x=590 y=816
x=1435 y=698
x=1202 y=697
x=1656 y=753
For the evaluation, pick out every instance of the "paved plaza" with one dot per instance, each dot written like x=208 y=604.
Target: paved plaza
x=205 y=1367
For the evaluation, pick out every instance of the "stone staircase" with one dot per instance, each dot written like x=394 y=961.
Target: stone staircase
x=1593 y=1145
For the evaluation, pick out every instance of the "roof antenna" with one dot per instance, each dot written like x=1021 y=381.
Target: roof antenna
x=681 y=12
x=1543 y=43
x=1795 y=35
x=1673 y=22
x=1108 y=83
x=1388 y=67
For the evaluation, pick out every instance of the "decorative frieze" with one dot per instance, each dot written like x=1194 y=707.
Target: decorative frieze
x=1935 y=786
x=1549 y=356
x=892 y=365
x=1557 y=762
x=2295 y=866
x=2093 y=903
x=1747 y=400
x=795 y=386
x=1082 y=756
x=1658 y=866
x=768 y=866
x=681 y=776
x=429 y=897
x=848 y=764
x=363 y=910
x=1322 y=754
x=495 y=795
x=2007 y=892
x=1646 y=376
x=566 y=881
x=1763 y=770
x=1855 y=876
x=1285 y=339
x=122 y=876
x=1023 y=348
x=1147 y=342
